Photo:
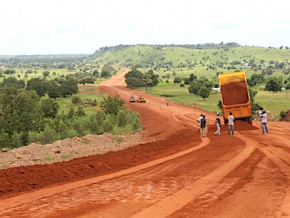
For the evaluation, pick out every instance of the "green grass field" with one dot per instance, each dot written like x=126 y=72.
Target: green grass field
x=274 y=102
x=270 y=101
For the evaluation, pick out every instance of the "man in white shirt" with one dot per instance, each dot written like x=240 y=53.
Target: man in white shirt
x=199 y=120
x=231 y=119
x=264 y=118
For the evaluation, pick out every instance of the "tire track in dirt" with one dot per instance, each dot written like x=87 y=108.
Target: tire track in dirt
x=34 y=196
x=156 y=183
x=170 y=204
x=279 y=158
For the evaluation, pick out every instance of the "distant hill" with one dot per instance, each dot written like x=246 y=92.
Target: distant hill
x=42 y=58
x=211 y=56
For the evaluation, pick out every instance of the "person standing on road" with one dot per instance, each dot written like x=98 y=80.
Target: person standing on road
x=203 y=126
x=264 y=118
x=199 y=120
x=231 y=119
x=218 y=124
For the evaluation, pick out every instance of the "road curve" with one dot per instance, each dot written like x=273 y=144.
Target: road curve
x=179 y=174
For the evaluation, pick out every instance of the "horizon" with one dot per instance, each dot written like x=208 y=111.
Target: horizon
x=137 y=45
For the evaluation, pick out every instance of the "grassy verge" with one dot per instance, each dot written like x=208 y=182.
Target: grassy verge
x=181 y=95
x=274 y=102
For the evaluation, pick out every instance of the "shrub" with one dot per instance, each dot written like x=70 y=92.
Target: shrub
x=122 y=119
x=112 y=105
x=63 y=130
x=49 y=135
x=76 y=100
x=220 y=106
x=177 y=80
x=283 y=114
x=24 y=138
x=204 y=92
x=79 y=127
x=4 y=139
x=108 y=126
x=16 y=140
x=136 y=124
x=80 y=112
x=274 y=84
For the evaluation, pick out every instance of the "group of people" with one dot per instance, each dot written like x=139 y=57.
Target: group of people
x=203 y=130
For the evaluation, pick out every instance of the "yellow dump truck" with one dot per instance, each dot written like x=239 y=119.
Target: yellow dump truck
x=141 y=99
x=235 y=96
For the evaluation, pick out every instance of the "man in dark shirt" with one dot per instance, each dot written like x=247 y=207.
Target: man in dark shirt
x=203 y=126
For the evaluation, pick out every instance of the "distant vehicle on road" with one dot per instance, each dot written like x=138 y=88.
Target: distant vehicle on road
x=132 y=99
x=141 y=99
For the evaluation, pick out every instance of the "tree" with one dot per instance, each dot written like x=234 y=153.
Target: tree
x=12 y=81
x=46 y=73
x=154 y=78
x=274 y=84
x=68 y=87
x=287 y=87
x=257 y=78
x=96 y=73
x=49 y=108
x=134 y=78
x=194 y=87
x=9 y=71
x=53 y=90
x=147 y=79
x=192 y=77
x=251 y=63
x=267 y=71
x=27 y=106
x=204 y=92
x=8 y=97
x=112 y=105
x=177 y=80
x=107 y=71
x=38 y=85
x=11 y=123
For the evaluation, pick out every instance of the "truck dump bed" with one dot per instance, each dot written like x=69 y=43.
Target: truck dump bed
x=235 y=96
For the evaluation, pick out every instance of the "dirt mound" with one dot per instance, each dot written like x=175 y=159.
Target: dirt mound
x=239 y=126
x=286 y=117
x=234 y=93
x=64 y=150
x=28 y=178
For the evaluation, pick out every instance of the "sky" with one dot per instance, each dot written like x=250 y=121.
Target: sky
x=29 y=27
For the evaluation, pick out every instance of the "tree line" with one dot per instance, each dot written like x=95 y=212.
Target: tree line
x=29 y=112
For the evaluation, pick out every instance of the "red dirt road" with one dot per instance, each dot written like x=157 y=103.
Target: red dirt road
x=177 y=175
